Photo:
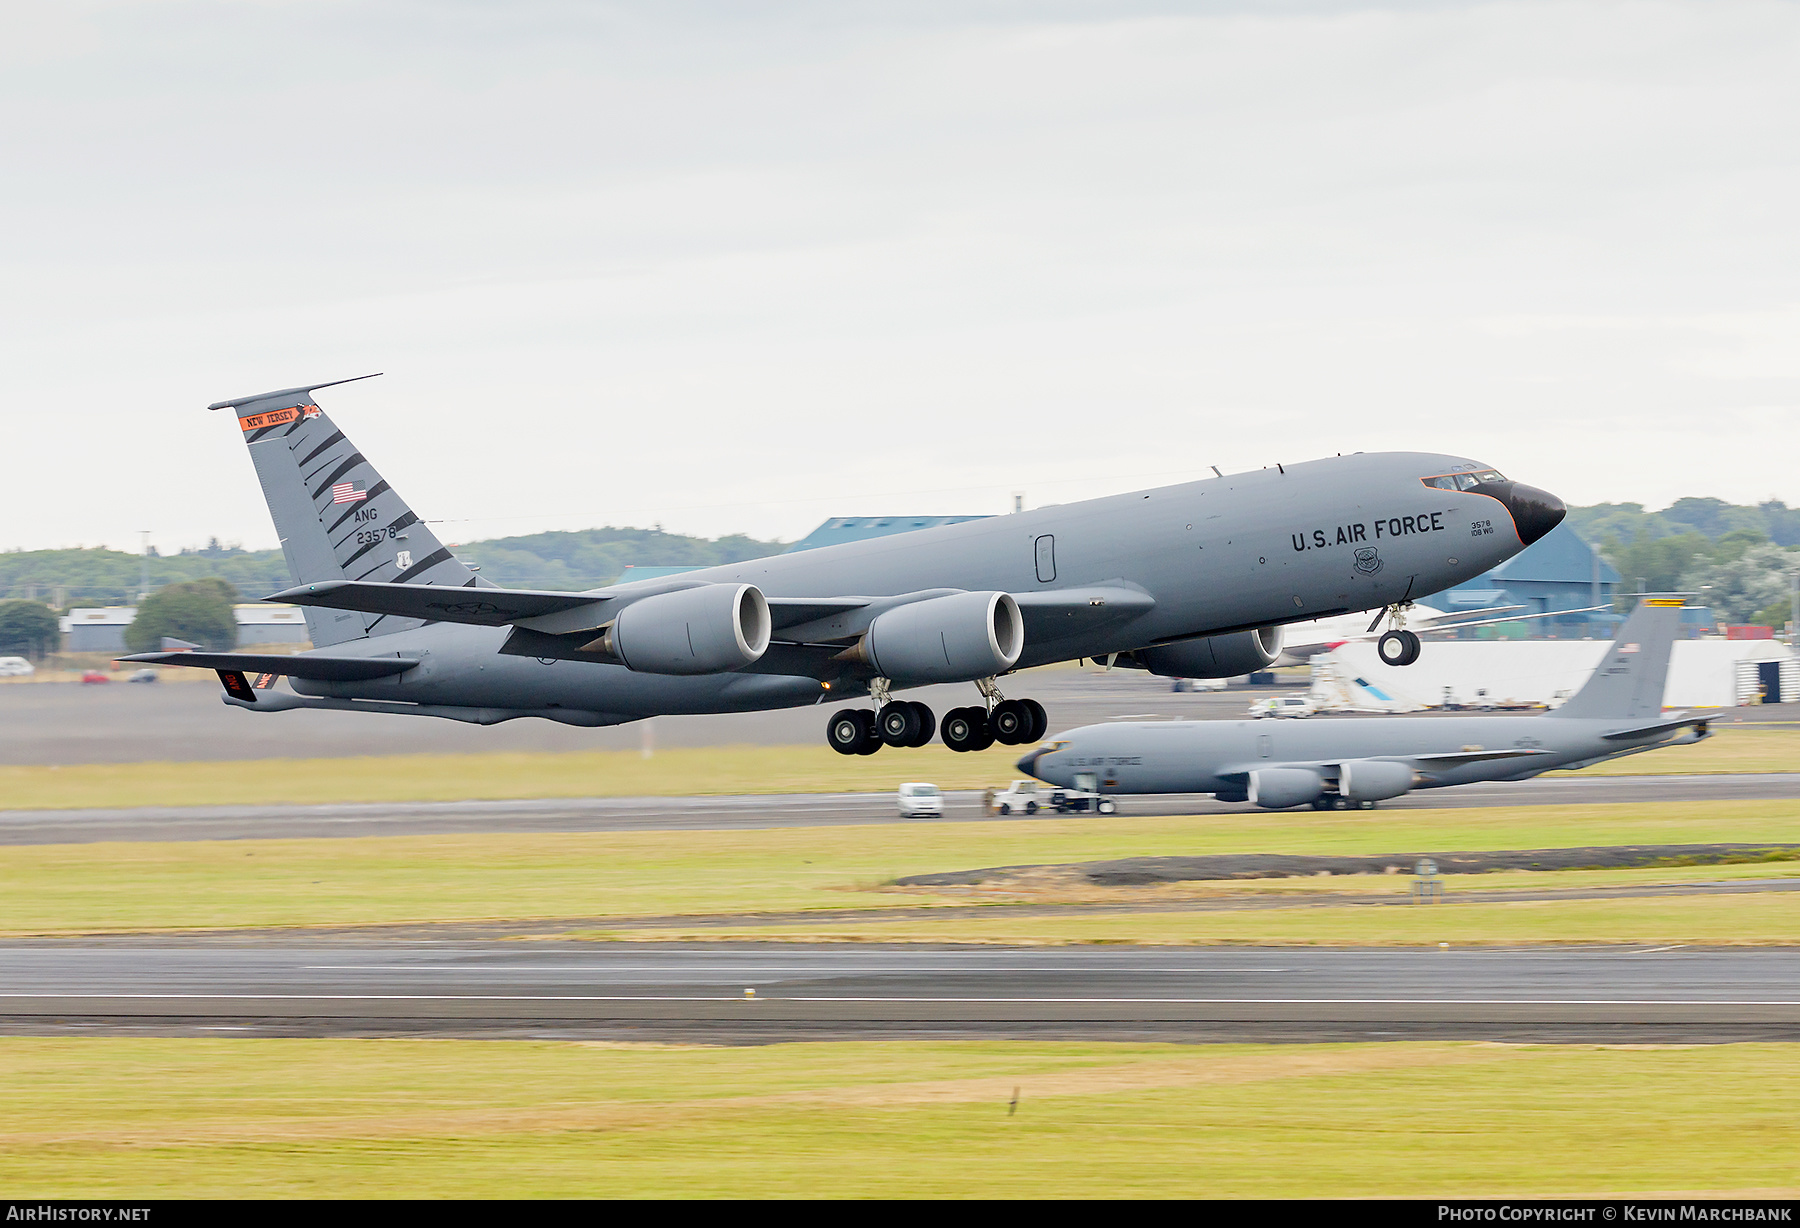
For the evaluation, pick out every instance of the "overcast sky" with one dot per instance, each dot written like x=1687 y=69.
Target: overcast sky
x=734 y=267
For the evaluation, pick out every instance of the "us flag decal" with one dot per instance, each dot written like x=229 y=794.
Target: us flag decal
x=348 y=492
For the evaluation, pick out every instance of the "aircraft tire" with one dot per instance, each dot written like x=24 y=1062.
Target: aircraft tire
x=1010 y=722
x=984 y=730
x=927 y=725
x=845 y=731
x=1398 y=648
x=898 y=723
x=1040 y=720
x=961 y=727
x=872 y=741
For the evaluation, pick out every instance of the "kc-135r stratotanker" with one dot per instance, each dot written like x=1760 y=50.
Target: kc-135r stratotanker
x=1350 y=761
x=1190 y=581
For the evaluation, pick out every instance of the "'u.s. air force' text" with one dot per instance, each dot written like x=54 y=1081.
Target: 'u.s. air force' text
x=1393 y=526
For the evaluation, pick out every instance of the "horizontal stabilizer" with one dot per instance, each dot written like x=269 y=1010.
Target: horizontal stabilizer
x=300 y=665
x=1638 y=731
x=482 y=607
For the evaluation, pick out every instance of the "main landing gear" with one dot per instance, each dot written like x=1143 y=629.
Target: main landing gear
x=1397 y=645
x=900 y=722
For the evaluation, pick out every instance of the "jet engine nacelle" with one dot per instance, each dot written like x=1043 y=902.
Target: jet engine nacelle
x=706 y=630
x=1215 y=656
x=1278 y=788
x=945 y=639
x=1374 y=780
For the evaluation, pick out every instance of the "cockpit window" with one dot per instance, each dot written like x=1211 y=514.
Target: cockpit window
x=1463 y=481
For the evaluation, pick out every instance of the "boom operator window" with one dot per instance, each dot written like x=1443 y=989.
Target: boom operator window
x=1463 y=481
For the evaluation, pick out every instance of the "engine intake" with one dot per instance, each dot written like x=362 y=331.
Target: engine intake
x=945 y=639
x=1215 y=656
x=706 y=630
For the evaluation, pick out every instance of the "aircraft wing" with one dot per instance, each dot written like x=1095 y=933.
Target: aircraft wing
x=481 y=607
x=1055 y=613
x=300 y=665
x=1424 y=763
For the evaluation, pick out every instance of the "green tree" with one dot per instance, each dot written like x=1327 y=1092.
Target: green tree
x=27 y=629
x=196 y=610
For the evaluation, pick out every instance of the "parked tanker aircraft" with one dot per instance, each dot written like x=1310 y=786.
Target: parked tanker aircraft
x=1347 y=762
x=1189 y=581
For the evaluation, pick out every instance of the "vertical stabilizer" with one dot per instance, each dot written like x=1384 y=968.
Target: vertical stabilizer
x=336 y=517
x=1628 y=682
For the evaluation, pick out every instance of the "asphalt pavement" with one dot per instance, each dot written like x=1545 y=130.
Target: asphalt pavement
x=748 y=812
x=750 y=993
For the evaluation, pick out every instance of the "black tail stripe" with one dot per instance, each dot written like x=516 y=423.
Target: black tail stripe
x=365 y=575
x=257 y=435
x=336 y=437
x=344 y=467
x=425 y=564
x=375 y=492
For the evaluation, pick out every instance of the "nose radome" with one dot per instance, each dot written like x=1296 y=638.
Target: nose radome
x=1535 y=512
x=1028 y=764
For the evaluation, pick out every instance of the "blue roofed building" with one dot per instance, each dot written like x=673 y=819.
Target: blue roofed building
x=1559 y=571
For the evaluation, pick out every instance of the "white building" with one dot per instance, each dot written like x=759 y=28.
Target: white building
x=1704 y=673
x=102 y=628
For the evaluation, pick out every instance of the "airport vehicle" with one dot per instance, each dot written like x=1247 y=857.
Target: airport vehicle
x=919 y=800
x=1192 y=580
x=144 y=675
x=1283 y=705
x=16 y=667
x=1020 y=797
x=1336 y=762
x=95 y=675
x=1198 y=684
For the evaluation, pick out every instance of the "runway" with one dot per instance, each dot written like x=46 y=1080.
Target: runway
x=300 y=985
x=775 y=810
x=67 y=722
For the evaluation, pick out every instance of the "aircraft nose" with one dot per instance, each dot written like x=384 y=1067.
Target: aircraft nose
x=1028 y=764
x=1535 y=512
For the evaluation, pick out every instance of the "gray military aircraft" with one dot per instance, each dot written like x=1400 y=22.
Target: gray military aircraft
x=1186 y=581
x=1347 y=762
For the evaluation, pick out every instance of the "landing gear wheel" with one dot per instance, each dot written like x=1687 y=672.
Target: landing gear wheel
x=1365 y=805
x=927 y=725
x=898 y=723
x=1010 y=722
x=1340 y=803
x=962 y=728
x=1040 y=720
x=845 y=731
x=1321 y=803
x=1398 y=648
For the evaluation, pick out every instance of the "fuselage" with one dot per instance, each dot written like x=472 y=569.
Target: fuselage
x=1213 y=756
x=1247 y=550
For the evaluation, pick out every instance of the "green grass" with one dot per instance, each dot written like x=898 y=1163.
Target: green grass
x=134 y=1118
x=675 y=772
x=374 y=880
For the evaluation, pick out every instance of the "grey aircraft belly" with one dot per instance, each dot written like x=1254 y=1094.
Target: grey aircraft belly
x=1360 y=761
x=1192 y=580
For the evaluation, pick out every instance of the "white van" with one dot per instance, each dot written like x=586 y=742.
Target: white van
x=16 y=667
x=920 y=801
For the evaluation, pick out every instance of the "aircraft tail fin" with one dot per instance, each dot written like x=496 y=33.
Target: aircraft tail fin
x=336 y=516
x=1628 y=682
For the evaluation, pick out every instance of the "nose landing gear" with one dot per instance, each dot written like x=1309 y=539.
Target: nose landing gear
x=1397 y=645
